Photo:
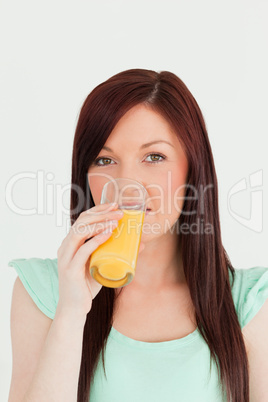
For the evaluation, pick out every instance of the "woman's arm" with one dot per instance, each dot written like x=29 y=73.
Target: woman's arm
x=256 y=336
x=46 y=353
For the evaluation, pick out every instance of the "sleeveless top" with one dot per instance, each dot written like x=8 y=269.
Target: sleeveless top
x=137 y=371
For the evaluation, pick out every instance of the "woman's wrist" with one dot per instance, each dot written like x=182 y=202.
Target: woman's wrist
x=69 y=317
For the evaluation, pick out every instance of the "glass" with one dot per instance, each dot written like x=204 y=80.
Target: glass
x=113 y=263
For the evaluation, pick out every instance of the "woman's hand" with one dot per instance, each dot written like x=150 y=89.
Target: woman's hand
x=77 y=288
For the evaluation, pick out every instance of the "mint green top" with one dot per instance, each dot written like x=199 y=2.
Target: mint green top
x=176 y=370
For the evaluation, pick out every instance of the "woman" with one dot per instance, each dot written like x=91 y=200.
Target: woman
x=175 y=332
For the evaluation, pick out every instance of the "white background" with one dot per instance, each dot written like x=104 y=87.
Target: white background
x=54 y=53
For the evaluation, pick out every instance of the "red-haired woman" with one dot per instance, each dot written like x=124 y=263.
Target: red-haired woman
x=182 y=330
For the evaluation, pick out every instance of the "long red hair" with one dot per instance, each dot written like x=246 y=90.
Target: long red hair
x=205 y=261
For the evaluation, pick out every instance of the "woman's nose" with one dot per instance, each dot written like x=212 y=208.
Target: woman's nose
x=140 y=181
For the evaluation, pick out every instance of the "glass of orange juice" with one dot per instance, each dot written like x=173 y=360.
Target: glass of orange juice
x=113 y=263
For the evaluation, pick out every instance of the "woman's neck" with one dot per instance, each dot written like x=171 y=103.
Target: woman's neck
x=159 y=265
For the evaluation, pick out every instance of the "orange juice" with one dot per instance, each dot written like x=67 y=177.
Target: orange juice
x=113 y=263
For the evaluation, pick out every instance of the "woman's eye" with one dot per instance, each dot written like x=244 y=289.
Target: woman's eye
x=156 y=155
x=104 y=163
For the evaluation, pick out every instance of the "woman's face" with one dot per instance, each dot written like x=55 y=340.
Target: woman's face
x=162 y=168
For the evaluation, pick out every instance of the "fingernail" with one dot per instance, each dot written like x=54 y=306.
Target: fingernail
x=119 y=212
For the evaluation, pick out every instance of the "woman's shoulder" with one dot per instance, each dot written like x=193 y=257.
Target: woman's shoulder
x=40 y=278
x=249 y=291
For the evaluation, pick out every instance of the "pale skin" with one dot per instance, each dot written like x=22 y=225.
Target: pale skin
x=159 y=265
x=154 y=305
x=159 y=283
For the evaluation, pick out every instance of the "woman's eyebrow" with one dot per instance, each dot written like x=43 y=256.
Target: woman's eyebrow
x=143 y=146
